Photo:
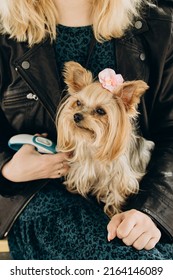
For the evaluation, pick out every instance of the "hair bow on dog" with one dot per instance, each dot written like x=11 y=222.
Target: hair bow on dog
x=109 y=79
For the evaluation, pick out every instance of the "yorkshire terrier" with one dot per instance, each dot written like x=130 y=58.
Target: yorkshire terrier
x=96 y=126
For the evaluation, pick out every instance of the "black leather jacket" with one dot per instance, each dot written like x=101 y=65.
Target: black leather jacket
x=30 y=93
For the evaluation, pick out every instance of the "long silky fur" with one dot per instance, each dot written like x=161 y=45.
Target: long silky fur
x=107 y=158
x=111 y=182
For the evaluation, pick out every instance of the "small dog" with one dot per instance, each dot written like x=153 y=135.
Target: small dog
x=96 y=125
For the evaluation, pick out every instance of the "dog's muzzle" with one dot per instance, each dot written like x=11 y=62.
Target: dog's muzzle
x=78 y=117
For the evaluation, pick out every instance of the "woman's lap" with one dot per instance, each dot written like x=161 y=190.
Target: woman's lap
x=59 y=225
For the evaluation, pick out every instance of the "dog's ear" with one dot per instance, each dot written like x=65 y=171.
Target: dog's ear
x=130 y=93
x=76 y=77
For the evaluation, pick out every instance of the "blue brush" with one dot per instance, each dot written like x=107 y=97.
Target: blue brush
x=43 y=145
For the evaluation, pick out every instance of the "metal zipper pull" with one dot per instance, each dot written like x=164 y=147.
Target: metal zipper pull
x=32 y=96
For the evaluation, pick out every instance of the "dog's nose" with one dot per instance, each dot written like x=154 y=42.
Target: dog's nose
x=78 y=117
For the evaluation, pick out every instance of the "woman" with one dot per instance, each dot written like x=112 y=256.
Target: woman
x=43 y=220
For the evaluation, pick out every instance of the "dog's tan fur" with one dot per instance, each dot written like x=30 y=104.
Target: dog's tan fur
x=108 y=159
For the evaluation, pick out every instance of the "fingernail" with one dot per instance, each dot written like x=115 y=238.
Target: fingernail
x=109 y=236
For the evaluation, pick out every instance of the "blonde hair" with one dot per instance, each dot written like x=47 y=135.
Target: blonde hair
x=33 y=20
x=111 y=18
x=28 y=20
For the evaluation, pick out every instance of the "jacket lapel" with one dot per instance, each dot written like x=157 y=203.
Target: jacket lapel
x=38 y=68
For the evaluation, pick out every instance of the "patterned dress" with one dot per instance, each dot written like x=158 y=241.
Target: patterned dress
x=56 y=224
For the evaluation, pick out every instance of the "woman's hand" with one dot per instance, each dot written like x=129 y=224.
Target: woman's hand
x=135 y=229
x=27 y=164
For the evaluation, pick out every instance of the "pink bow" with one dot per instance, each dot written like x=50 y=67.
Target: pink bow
x=109 y=79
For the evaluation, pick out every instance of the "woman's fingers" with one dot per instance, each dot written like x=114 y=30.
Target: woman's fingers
x=135 y=228
x=113 y=225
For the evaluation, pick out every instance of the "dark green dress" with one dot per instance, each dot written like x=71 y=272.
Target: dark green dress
x=57 y=224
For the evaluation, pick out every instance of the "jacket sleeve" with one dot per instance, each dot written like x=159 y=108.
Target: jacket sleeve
x=6 y=187
x=5 y=152
x=156 y=189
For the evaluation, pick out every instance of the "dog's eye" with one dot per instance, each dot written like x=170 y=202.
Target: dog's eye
x=100 y=111
x=78 y=103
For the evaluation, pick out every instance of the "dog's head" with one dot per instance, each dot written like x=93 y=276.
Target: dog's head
x=96 y=116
